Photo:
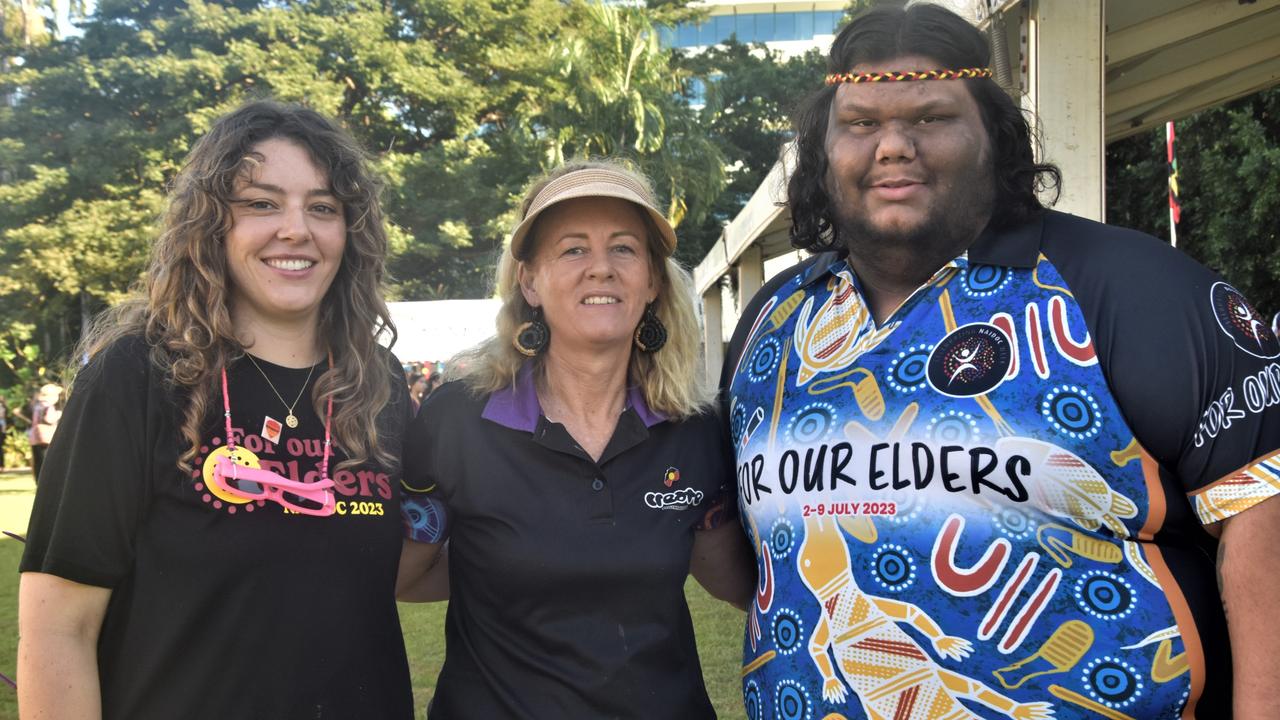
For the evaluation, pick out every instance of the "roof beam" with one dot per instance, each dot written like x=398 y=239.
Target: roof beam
x=1180 y=26
x=1120 y=100
x=752 y=222
x=1215 y=91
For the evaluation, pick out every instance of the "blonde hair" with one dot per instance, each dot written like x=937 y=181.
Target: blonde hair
x=181 y=309
x=670 y=378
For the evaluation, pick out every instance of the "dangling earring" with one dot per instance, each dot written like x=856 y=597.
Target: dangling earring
x=651 y=334
x=532 y=337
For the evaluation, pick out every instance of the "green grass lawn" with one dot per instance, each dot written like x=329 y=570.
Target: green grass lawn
x=719 y=626
x=16 y=492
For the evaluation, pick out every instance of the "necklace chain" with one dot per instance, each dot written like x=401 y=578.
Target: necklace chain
x=291 y=420
x=328 y=417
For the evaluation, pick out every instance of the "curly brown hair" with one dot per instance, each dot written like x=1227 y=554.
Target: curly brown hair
x=181 y=307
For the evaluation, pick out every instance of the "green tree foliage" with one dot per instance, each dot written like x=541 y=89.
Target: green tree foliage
x=1229 y=183
x=618 y=93
x=460 y=101
x=750 y=99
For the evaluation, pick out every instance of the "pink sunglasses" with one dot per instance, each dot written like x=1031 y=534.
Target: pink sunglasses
x=314 y=498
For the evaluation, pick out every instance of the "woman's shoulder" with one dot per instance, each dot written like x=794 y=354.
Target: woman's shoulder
x=703 y=424
x=388 y=359
x=451 y=414
x=454 y=396
x=126 y=361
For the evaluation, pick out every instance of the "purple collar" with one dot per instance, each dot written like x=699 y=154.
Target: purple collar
x=517 y=406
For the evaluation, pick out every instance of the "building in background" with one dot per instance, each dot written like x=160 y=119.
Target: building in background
x=790 y=28
x=1089 y=72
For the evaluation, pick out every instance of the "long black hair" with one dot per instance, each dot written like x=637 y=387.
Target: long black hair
x=934 y=32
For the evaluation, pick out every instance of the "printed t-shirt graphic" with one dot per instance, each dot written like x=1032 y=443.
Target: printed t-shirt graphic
x=207 y=585
x=965 y=513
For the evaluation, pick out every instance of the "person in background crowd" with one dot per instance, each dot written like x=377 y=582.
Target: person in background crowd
x=217 y=532
x=989 y=451
x=45 y=414
x=433 y=383
x=417 y=390
x=584 y=472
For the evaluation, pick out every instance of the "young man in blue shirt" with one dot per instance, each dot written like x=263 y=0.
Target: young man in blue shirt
x=987 y=452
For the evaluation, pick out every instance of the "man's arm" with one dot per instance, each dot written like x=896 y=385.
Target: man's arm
x=424 y=572
x=58 y=625
x=723 y=564
x=1250 y=578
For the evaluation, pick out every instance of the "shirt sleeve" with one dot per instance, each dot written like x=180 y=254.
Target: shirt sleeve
x=722 y=506
x=1193 y=366
x=94 y=485
x=1231 y=461
x=422 y=510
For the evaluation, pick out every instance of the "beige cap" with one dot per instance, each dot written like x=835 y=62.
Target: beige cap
x=50 y=391
x=593 y=182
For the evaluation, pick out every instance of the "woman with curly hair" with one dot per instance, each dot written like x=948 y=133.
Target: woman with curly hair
x=584 y=471
x=217 y=530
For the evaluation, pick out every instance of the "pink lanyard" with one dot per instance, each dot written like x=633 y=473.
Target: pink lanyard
x=328 y=416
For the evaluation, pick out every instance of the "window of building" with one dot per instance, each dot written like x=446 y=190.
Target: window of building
x=765 y=27
x=753 y=27
x=824 y=23
x=784 y=26
x=724 y=27
x=804 y=25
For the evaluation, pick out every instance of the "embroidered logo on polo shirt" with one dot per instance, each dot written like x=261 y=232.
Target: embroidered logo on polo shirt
x=973 y=359
x=1246 y=327
x=671 y=476
x=684 y=499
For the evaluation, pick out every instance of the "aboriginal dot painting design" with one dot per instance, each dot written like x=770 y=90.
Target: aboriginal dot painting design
x=893 y=567
x=764 y=360
x=907 y=370
x=981 y=281
x=1113 y=682
x=425 y=519
x=787 y=631
x=791 y=701
x=782 y=537
x=1072 y=411
x=202 y=475
x=813 y=422
x=954 y=426
x=948 y=502
x=1013 y=523
x=751 y=701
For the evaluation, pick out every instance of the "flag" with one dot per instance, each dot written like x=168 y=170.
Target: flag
x=1175 y=208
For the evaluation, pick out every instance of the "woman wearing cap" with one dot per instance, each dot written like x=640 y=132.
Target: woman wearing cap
x=584 y=473
x=217 y=529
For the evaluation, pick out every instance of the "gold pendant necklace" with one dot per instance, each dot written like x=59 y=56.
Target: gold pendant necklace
x=291 y=420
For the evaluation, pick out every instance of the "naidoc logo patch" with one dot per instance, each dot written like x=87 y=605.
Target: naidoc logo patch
x=1246 y=327
x=970 y=361
x=682 y=499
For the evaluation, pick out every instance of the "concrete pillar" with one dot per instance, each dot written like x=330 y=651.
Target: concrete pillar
x=712 y=332
x=750 y=276
x=1066 y=75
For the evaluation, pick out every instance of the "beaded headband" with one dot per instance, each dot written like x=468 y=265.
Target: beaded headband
x=904 y=75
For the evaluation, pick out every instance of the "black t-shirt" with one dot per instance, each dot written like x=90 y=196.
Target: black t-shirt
x=567 y=574
x=223 y=609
